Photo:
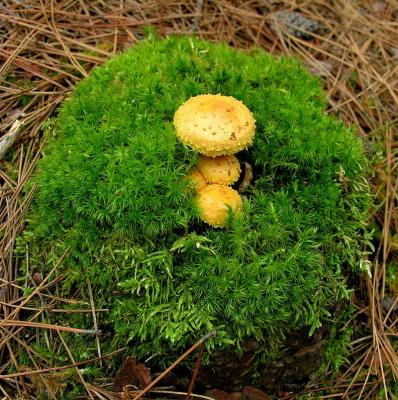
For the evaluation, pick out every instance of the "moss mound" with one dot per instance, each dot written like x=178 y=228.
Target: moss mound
x=111 y=186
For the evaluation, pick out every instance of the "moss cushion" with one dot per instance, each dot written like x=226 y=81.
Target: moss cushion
x=111 y=187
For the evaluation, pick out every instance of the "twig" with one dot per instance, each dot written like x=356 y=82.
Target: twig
x=213 y=333
x=195 y=371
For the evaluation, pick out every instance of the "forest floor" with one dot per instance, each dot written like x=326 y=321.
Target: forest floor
x=47 y=46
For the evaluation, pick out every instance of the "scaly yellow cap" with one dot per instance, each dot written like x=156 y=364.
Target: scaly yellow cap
x=215 y=125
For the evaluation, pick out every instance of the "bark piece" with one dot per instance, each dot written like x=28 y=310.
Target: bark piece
x=296 y=24
x=389 y=303
x=10 y=138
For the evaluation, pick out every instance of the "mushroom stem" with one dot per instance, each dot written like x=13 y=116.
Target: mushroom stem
x=247 y=177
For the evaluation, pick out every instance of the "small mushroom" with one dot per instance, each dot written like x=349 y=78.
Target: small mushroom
x=214 y=125
x=224 y=170
x=197 y=180
x=215 y=201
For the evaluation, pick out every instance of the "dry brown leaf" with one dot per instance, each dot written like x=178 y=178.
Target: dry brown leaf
x=131 y=373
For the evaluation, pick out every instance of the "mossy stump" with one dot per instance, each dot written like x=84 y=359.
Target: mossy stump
x=111 y=188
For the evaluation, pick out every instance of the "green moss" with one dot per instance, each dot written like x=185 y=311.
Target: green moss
x=110 y=186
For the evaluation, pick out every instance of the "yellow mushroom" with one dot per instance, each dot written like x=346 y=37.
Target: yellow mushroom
x=215 y=201
x=214 y=125
x=224 y=170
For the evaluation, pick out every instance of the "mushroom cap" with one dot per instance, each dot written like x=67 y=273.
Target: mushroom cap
x=214 y=202
x=214 y=125
x=198 y=182
x=224 y=170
